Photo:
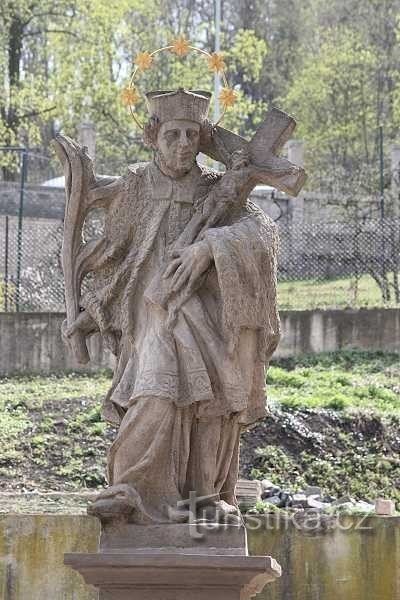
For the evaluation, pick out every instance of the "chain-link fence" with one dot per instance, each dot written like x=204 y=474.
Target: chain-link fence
x=30 y=267
x=336 y=264
x=27 y=166
x=355 y=263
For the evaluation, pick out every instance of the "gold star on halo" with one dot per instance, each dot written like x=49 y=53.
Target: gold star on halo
x=227 y=97
x=180 y=46
x=130 y=96
x=143 y=60
x=216 y=62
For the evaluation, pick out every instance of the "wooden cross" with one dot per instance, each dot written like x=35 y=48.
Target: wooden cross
x=263 y=149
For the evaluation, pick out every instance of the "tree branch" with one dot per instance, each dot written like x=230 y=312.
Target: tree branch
x=127 y=139
x=35 y=113
x=39 y=31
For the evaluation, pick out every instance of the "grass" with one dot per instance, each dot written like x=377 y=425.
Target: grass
x=335 y=423
x=335 y=293
x=10 y=294
x=349 y=381
x=33 y=391
x=306 y=294
x=53 y=437
x=51 y=430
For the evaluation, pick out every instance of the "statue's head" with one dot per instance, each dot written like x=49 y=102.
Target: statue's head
x=177 y=120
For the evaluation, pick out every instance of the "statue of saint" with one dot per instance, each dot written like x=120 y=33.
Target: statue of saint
x=182 y=288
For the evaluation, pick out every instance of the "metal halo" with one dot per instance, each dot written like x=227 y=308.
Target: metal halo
x=169 y=48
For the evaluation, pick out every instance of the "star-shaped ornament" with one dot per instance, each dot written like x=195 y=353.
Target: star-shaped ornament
x=180 y=46
x=143 y=61
x=130 y=96
x=216 y=62
x=227 y=97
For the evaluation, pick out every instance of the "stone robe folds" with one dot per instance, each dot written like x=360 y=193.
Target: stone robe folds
x=182 y=394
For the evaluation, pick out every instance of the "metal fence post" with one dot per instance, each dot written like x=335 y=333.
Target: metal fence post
x=24 y=165
x=6 y=264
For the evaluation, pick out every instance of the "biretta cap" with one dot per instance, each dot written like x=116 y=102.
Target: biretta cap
x=181 y=104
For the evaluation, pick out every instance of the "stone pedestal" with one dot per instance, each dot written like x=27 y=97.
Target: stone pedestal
x=183 y=538
x=125 y=576
x=174 y=562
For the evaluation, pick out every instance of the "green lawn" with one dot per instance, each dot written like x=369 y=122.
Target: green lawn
x=350 y=381
x=306 y=294
x=334 y=422
x=53 y=437
x=51 y=431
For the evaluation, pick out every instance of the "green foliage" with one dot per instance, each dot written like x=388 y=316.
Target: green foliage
x=277 y=463
x=263 y=507
x=65 y=62
x=331 y=97
x=356 y=470
x=247 y=55
x=52 y=435
x=70 y=62
x=38 y=425
x=350 y=381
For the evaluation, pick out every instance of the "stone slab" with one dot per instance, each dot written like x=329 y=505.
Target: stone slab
x=187 y=538
x=126 y=576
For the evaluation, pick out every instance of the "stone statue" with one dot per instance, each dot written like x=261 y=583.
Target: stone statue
x=182 y=287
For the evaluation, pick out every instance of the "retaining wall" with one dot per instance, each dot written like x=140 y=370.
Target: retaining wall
x=355 y=560
x=32 y=341
x=312 y=331
x=40 y=202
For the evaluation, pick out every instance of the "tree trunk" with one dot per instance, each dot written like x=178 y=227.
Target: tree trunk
x=15 y=40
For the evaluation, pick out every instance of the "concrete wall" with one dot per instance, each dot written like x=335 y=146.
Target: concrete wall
x=39 y=202
x=355 y=560
x=32 y=341
x=358 y=559
x=312 y=331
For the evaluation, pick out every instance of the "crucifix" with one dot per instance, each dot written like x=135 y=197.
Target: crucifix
x=248 y=164
x=267 y=167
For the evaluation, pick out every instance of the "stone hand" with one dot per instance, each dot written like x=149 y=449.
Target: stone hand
x=83 y=323
x=188 y=265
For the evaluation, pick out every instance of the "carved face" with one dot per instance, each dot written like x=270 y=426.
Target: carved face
x=178 y=145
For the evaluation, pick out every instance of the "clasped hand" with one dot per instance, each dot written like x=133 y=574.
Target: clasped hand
x=188 y=265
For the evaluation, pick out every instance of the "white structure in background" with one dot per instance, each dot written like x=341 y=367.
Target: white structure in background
x=87 y=137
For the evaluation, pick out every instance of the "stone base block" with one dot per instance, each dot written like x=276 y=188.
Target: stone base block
x=184 y=538
x=126 y=576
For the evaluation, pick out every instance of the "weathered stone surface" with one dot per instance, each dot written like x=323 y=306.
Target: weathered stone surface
x=39 y=202
x=183 y=292
x=175 y=577
x=266 y=484
x=337 y=561
x=195 y=538
x=385 y=507
x=313 y=490
x=300 y=500
x=248 y=492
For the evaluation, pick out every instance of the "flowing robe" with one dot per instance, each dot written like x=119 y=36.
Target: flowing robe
x=182 y=394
